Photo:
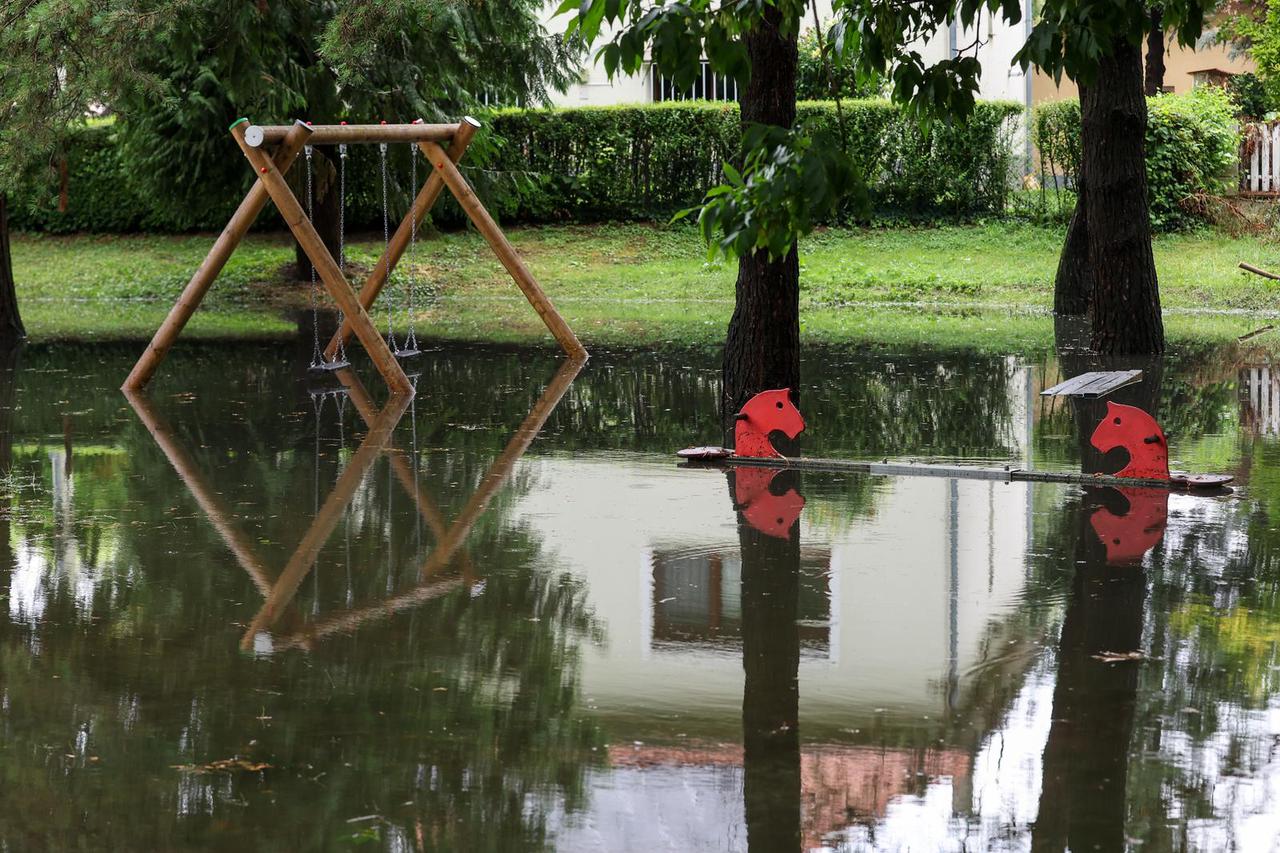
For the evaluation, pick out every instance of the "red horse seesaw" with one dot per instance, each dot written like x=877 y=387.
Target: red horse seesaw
x=772 y=412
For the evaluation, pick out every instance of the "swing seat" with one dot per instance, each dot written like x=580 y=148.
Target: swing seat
x=407 y=352
x=330 y=366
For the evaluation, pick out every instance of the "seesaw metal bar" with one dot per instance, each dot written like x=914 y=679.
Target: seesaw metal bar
x=921 y=469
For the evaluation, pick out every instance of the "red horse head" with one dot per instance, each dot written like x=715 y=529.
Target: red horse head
x=764 y=413
x=1137 y=432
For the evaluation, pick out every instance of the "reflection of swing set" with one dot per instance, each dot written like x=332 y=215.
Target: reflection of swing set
x=289 y=142
x=432 y=581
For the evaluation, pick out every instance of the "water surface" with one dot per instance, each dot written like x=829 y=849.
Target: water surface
x=252 y=609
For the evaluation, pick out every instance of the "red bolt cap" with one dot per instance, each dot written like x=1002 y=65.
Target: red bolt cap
x=264 y=170
x=384 y=121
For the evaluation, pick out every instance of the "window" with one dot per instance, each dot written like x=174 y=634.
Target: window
x=709 y=86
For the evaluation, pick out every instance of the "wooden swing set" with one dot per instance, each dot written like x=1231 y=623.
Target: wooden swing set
x=271 y=150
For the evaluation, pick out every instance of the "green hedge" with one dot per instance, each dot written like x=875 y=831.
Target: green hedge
x=102 y=198
x=643 y=162
x=588 y=165
x=1193 y=144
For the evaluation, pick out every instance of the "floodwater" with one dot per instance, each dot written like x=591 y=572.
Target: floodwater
x=247 y=611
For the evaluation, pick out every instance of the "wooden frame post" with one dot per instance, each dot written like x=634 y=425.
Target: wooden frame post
x=326 y=267
x=254 y=201
x=422 y=204
x=506 y=253
x=271 y=185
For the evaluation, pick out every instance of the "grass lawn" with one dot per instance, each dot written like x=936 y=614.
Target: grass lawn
x=988 y=285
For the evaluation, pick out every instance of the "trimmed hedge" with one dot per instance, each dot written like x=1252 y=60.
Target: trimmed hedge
x=592 y=164
x=1193 y=144
x=645 y=162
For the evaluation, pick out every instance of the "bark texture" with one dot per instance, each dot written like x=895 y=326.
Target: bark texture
x=11 y=327
x=1126 y=298
x=762 y=349
x=771 y=693
x=324 y=189
x=1073 y=284
x=1155 y=53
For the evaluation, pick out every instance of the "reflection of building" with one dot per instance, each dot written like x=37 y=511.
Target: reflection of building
x=649 y=807
x=696 y=600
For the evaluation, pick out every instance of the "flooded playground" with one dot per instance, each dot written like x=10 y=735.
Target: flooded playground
x=255 y=608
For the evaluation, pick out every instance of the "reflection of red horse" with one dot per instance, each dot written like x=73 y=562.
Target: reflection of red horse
x=1137 y=432
x=773 y=515
x=1130 y=536
x=766 y=412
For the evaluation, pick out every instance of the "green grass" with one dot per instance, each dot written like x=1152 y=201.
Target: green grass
x=988 y=286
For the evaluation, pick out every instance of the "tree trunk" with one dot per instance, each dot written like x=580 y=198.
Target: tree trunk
x=11 y=327
x=324 y=188
x=1126 y=296
x=1073 y=285
x=762 y=349
x=1155 y=53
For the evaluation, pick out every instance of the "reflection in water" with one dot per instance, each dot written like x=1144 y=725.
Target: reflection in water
x=771 y=664
x=1086 y=758
x=568 y=643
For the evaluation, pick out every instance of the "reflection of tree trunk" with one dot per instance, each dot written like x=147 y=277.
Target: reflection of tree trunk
x=1082 y=798
x=771 y=693
x=762 y=349
x=9 y=357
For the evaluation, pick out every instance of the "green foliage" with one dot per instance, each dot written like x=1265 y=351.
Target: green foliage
x=814 y=74
x=648 y=162
x=587 y=165
x=1256 y=28
x=1192 y=144
x=1250 y=95
x=792 y=183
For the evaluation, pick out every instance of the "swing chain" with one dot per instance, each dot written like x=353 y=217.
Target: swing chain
x=411 y=343
x=317 y=357
x=386 y=244
x=340 y=357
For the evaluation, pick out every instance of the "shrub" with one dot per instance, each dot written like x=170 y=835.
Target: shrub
x=1193 y=142
x=588 y=165
x=650 y=161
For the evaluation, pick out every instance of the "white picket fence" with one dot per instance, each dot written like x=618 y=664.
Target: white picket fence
x=1260 y=158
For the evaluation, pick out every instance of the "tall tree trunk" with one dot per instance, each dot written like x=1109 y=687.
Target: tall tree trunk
x=771 y=693
x=1155 y=53
x=324 y=188
x=1073 y=285
x=11 y=327
x=1126 y=296
x=762 y=349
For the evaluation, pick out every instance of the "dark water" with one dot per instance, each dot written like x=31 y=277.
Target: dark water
x=244 y=616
